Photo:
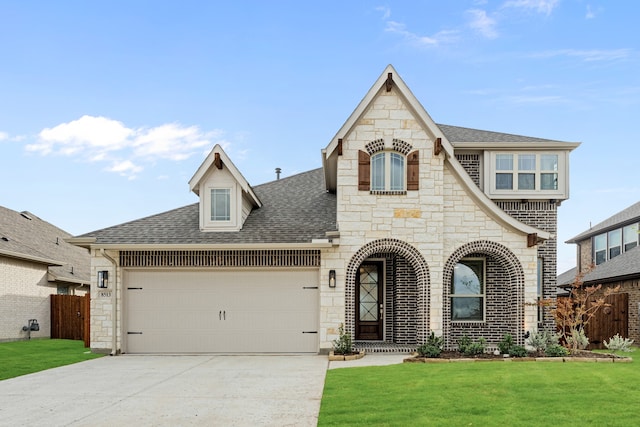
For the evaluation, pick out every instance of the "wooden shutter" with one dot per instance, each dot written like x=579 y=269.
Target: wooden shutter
x=413 y=170
x=364 y=171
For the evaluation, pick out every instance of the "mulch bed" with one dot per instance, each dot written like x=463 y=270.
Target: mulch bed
x=583 y=354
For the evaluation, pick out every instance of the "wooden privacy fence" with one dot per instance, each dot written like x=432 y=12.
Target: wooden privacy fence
x=609 y=320
x=70 y=315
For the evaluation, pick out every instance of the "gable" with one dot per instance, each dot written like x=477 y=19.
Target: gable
x=390 y=118
x=226 y=198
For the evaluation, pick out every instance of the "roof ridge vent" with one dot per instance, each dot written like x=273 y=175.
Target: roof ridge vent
x=26 y=215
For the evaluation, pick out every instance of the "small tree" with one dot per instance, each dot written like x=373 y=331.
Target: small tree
x=572 y=314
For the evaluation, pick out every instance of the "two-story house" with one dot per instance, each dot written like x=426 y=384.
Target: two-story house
x=607 y=254
x=409 y=227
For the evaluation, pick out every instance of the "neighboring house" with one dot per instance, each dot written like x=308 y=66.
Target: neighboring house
x=35 y=262
x=608 y=254
x=409 y=227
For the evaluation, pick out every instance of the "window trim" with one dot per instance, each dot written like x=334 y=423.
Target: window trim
x=227 y=193
x=209 y=224
x=482 y=295
x=387 y=167
x=491 y=172
x=622 y=244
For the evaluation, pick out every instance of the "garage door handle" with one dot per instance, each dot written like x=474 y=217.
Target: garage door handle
x=222 y=315
x=309 y=332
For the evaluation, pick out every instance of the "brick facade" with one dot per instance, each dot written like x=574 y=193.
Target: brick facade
x=25 y=295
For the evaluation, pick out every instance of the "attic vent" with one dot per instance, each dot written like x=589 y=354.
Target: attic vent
x=26 y=215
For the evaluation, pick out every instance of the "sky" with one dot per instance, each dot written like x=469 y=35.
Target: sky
x=108 y=108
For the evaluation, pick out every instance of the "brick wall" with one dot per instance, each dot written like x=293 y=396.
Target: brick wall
x=24 y=295
x=542 y=215
x=471 y=164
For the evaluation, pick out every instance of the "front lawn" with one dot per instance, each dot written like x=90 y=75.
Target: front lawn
x=25 y=357
x=484 y=394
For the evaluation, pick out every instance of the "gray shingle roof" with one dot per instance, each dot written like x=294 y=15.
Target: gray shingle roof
x=630 y=214
x=295 y=209
x=626 y=265
x=460 y=134
x=567 y=277
x=24 y=235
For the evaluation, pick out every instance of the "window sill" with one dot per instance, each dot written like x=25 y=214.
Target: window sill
x=388 y=193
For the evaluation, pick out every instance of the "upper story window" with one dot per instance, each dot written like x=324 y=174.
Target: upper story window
x=526 y=175
x=388 y=171
x=468 y=290
x=526 y=172
x=611 y=244
x=220 y=204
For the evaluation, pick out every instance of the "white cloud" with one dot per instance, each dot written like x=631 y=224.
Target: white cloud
x=587 y=55
x=101 y=139
x=125 y=168
x=540 y=6
x=3 y=136
x=482 y=23
x=386 y=12
x=435 y=40
x=590 y=13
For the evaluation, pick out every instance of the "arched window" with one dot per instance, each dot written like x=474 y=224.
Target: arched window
x=388 y=171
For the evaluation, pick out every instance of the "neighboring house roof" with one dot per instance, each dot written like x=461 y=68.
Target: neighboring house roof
x=567 y=277
x=25 y=236
x=296 y=209
x=630 y=214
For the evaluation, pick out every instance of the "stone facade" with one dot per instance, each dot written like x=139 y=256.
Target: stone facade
x=442 y=219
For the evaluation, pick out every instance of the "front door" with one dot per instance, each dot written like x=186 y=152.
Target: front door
x=369 y=307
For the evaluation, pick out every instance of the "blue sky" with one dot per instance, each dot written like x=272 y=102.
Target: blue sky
x=108 y=108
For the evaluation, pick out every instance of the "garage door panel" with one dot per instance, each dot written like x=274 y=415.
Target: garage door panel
x=226 y=311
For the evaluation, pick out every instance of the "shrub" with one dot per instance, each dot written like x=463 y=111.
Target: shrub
x=343 y=344
x=518 y=351
x=505 y=344
x=556 y=350
x=463 y=343
x=432 y=348
x=617 y=343
x=469 y=348
x=540 y=340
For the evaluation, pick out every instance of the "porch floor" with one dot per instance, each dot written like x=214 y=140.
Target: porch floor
x=383 y=347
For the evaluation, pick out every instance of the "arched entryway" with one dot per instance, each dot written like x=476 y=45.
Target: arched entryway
x=497 y=298
x=404 y=273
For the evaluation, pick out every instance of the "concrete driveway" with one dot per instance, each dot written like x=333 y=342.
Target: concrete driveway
x=210 y=390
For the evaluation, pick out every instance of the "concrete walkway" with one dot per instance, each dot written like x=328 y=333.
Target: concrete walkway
x=169 y=391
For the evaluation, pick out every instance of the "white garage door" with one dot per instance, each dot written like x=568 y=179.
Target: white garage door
x=221 y=311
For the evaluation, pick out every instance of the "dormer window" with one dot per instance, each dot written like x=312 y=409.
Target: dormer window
x=220 y=204
x=387 y=171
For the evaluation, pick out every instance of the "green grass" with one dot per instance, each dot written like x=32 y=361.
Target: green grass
x=484 y=394
x=25 y=357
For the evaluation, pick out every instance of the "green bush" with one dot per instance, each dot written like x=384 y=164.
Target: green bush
x=343 y=344
x=556 y=350
x=463 y=343
x=617 y=343
x=505 y=344
x=432 y=348
x=518 y=351
x=540 y=340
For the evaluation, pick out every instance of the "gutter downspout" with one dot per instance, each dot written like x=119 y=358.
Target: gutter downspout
x=114 y=301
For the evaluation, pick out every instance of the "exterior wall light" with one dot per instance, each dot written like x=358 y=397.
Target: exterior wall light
x=332 y=278
x=103 y=279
